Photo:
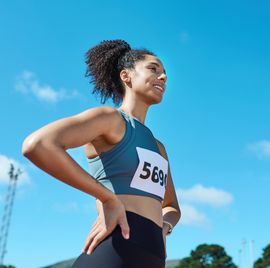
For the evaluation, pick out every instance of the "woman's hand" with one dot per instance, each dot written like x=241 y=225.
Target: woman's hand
x=110 y=214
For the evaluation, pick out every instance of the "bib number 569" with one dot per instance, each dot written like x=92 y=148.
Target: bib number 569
x=157 y=175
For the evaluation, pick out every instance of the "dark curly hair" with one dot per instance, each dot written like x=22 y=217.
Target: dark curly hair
x=105 y=61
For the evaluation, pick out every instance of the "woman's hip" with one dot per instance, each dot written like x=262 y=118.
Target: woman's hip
x=144 y=248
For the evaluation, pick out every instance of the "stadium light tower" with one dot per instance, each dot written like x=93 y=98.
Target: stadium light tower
x=13 y=178
x=251 y=253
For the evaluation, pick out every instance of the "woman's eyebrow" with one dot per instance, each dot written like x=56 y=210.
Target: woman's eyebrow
x=157 y=65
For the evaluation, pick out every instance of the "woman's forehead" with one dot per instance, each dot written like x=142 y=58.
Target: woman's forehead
x=149 y=59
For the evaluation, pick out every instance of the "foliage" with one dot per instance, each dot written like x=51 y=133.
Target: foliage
x=210 y=256
x=264 y=261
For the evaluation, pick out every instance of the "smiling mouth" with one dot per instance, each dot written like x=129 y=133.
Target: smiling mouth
x=159 y=88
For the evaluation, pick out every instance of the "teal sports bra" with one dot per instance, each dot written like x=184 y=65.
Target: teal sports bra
x=133 y=166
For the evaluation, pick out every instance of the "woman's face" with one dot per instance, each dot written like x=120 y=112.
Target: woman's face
x=148 y=80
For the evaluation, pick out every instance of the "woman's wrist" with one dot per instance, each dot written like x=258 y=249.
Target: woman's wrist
x=110 y=199
x=106 y=195
x=168 y=227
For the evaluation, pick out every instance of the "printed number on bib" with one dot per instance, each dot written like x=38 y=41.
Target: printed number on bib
x=155 y=174
x=151 y=174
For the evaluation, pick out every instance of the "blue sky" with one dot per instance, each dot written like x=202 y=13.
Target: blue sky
x=213 y=120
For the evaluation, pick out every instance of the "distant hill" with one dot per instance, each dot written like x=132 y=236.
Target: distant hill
x=68 y=264
x=172 y=263
x=62 y=264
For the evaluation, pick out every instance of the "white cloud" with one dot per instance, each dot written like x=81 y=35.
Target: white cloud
x=5 y=168
x=74 y=207
x=67 y=207
x=28 y=83
x=199 y=194
x=191 y=216
x=210 y=196
x=260 y=148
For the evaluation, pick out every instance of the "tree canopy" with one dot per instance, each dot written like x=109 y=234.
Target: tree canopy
x=210 y=256
x=264 y=261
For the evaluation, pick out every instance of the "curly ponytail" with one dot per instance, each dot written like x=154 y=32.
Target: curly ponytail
x=105 y=61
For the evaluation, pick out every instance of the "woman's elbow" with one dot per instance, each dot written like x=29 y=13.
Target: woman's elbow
x=29 y=145
x=179 y=213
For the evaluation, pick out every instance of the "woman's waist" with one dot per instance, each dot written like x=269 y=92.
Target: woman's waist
x=144 y=206
x=143 y=232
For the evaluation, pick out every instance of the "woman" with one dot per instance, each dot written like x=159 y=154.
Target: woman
x=129 y=170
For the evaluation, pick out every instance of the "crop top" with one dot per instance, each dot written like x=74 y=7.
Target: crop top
x=134 y=165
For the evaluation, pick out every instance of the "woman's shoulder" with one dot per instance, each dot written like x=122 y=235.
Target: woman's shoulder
x=106 y=109
x=108 y=117
x=106 y=113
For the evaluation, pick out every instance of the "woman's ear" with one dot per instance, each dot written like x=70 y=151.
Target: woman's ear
x=125 y=76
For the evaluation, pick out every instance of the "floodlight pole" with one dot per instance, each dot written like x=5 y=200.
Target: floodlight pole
x=13 y=178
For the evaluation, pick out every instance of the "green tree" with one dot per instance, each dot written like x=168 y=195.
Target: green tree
x=7 y=266
x=264 y=261
x=210 y=256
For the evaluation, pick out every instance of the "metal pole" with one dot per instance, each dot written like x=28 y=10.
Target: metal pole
x=239 y=258
x=251 y=246
x=244 y=242
x=8 y=211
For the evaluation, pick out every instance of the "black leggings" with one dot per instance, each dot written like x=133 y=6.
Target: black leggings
x=144 y=248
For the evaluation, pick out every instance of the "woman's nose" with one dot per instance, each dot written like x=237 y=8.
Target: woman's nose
x=163 y=76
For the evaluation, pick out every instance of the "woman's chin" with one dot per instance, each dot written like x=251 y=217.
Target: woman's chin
x=156 y=100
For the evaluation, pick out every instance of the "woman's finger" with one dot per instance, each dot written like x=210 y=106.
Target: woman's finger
x=94 y=224
x=123 y=222
x=95 y=233
x=97 y=239
x=90 y=238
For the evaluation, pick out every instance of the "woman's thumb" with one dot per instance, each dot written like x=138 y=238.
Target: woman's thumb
x=124 y=227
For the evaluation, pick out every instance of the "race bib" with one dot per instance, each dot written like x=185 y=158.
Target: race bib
x=151 y=174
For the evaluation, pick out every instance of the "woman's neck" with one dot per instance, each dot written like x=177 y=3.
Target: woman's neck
x=135 y=112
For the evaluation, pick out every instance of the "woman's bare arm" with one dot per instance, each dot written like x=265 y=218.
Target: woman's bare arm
x=170 y=206
x=47 y=146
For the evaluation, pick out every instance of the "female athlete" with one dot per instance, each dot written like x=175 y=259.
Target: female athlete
x=129 y=170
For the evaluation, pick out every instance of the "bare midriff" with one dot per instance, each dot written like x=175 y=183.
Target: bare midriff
x=145 y=206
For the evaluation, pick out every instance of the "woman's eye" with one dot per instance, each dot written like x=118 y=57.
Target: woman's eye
x=153 y=68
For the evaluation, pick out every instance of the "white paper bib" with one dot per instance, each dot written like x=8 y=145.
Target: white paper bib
x=151 y=174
